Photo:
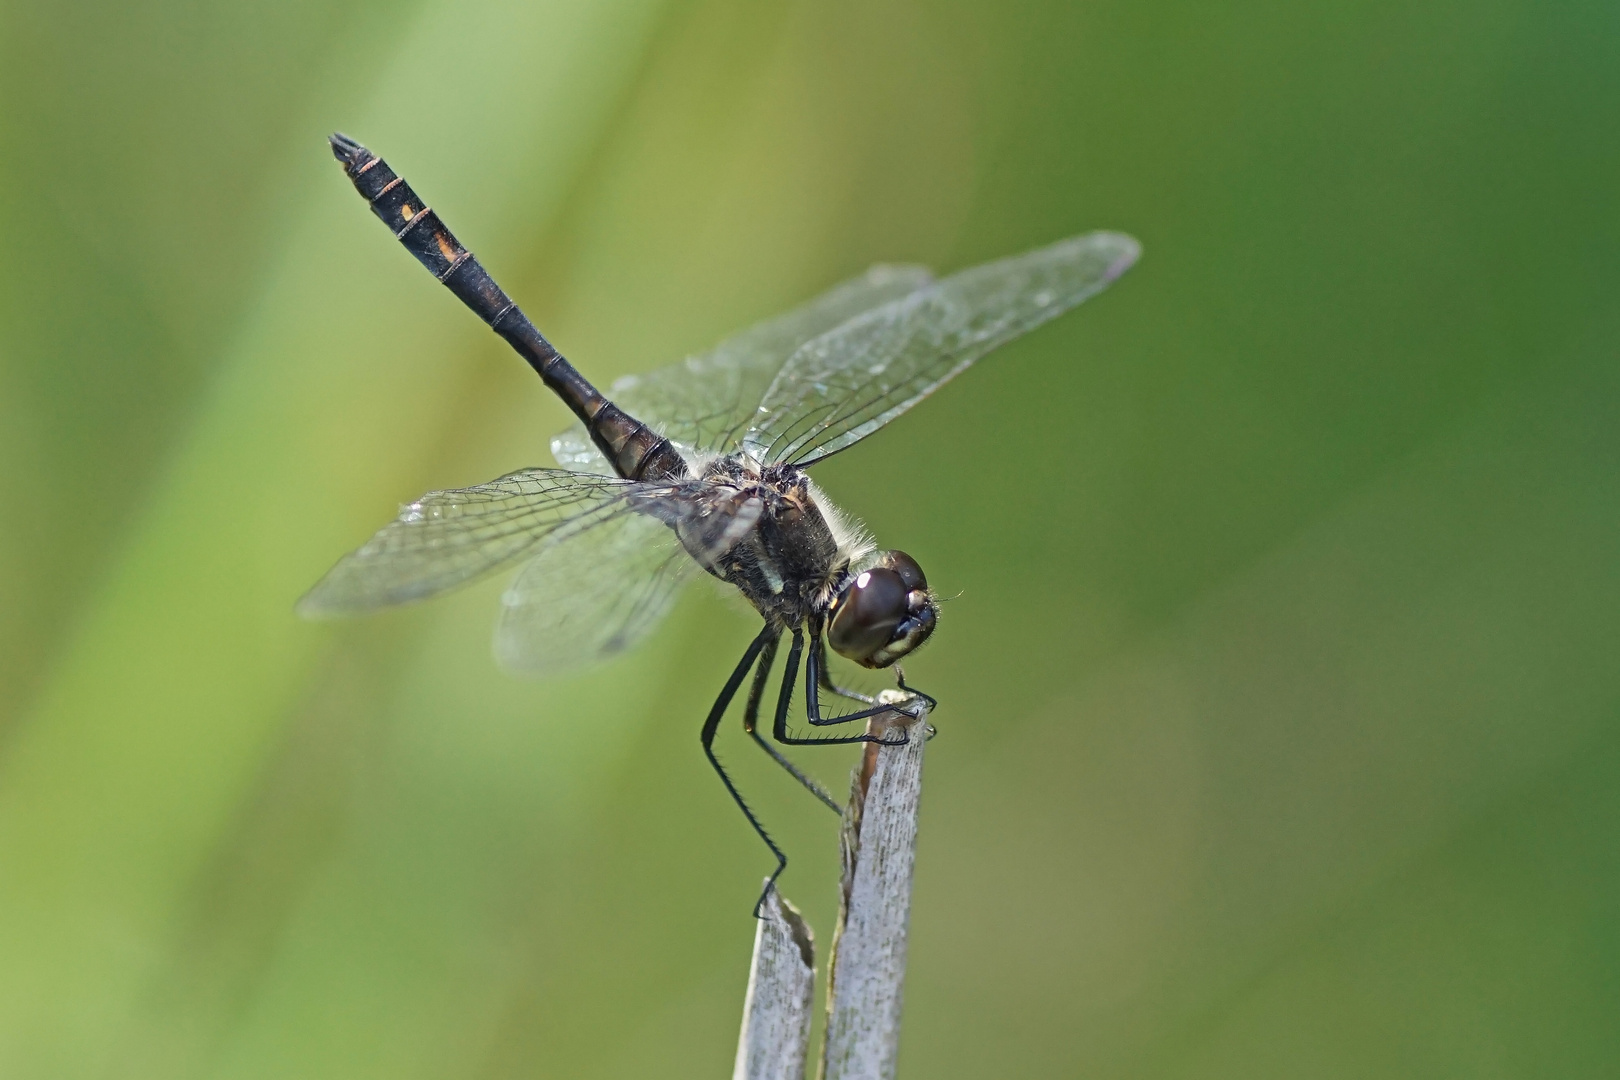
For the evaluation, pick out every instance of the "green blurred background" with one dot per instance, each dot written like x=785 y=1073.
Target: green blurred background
x=1278 y=723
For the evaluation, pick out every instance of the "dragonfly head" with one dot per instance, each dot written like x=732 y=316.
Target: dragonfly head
x=883 y=613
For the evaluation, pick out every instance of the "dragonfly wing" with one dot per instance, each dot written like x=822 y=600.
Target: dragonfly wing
x=840 y=387
x=587 y=597
x=447 y=538
x=706 y=402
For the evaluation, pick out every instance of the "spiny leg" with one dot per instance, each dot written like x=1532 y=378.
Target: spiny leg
x=824 y=680
x=900 y=674
x=762 y=675
x=824 y=674
x=712 y=724
x=812 y=682
x=933 y=702
x=785 y=701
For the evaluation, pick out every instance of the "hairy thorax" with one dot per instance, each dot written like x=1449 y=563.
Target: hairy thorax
x=792 y=559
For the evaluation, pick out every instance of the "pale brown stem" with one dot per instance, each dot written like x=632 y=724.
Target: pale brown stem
x=776 y=1013
x=868 y=968
x=869 y=947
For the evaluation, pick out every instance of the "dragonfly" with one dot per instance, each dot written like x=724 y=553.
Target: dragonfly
x=700 y=468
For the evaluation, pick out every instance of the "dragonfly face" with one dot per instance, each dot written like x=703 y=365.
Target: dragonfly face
x=796 y=559
x=883 y=613
x=700 y=467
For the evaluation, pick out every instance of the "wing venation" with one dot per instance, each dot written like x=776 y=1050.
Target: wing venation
x=705 y=403
x=587 y=597
x=840 y=387
x=606 y=557
x=447 y=538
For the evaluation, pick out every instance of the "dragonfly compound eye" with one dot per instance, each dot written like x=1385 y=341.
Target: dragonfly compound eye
x=907 y=568
x=883 y=614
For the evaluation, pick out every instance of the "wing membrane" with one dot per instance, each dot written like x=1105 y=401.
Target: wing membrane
x=586 y=597
x=706 y=402
x=844 y=385
x=607 y=557
x=447 y=538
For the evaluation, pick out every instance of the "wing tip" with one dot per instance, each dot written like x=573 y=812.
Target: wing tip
x=1127 y=249
x=316 y=608
x=325 y=601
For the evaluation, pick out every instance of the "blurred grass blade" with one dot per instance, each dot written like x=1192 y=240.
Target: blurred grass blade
x=153 y=726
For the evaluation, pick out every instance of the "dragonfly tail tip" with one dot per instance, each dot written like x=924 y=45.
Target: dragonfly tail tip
x=346 y=149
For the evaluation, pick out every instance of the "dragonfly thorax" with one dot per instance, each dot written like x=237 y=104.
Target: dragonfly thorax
x=793 y=550
x=797 y=559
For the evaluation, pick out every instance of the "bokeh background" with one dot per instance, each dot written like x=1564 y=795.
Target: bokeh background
x=1279 y=700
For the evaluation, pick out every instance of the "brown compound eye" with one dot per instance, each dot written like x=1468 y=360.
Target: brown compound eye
x=907 y=568
x=884 y=613
x=868 y=613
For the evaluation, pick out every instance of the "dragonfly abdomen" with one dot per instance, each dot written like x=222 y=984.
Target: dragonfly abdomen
x=636 y=451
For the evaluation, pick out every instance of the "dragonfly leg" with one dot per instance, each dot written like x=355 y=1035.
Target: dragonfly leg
x=933 y=702
x=899 y=673
x=712 y=725
x=815 y=675
x=762 y=675
x=824 y=675
x=785 y=701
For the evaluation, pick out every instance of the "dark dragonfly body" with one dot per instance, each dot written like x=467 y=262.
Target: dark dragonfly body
x=636 y=452
x=710 y=475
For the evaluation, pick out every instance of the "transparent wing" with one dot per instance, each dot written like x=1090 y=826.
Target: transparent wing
x=706 y=402
x=587 y=597
x=847 y=383
x=608 y=557
x=447 y=538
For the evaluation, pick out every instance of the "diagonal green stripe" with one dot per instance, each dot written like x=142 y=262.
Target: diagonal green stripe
x=151 y=726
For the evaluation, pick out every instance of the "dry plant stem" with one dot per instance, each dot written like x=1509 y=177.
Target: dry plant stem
x=775 y=1036
x=869 y=946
